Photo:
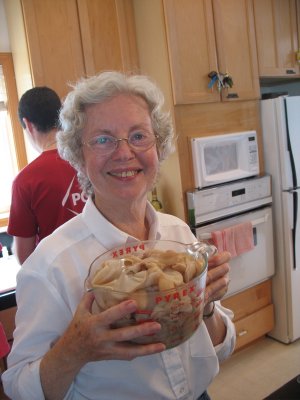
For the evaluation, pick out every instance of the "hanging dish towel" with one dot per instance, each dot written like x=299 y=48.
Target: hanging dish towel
x=217 y=240
x=237 y=239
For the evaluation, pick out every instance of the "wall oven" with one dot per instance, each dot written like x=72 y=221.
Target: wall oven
x=220 y=207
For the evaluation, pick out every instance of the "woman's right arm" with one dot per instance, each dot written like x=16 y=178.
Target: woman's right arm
x=90 y=338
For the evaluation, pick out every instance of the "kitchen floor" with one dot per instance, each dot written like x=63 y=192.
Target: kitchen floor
x=253 y=373
x=256 y=371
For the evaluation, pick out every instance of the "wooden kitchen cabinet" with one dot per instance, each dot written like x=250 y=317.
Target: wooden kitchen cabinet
x=68 y=39
x=253 y=313
x=276 y=37
x=211 y=35
x=108 y=35
x=54 y=43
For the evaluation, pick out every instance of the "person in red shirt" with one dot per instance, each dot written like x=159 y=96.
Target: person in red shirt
x=45 y=193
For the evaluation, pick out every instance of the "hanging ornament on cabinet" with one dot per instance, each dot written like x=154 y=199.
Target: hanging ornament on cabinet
x=215 y=79
x=227 y=81
x=222 y=80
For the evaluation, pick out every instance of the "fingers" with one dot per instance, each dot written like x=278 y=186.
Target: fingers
x=217 y=282
x=217 y=272
x=216 y=291
x=218 y=259
x=86 y=302
x=134 y=331
x=90 y=337
x=116 y=312
x=217 y=279
x=114 y=343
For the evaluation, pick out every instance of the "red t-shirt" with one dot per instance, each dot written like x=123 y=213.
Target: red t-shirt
x=45 y=194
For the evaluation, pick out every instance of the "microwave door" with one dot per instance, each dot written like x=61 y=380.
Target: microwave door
x=223 y=158
x=216 y=162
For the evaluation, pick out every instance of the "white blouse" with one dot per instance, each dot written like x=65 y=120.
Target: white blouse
x=50 y=285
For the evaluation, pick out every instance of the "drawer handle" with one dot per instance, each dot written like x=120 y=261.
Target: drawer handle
x=242 y=333
x=232 y=96
x=290 y=71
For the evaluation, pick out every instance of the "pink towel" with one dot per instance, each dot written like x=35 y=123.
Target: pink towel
x=228 y=235
x=237 y=239
x=217 y=239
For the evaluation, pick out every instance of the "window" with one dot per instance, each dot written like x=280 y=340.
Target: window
x=12 y=146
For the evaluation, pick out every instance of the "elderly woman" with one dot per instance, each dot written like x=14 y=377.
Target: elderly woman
x=115 y=134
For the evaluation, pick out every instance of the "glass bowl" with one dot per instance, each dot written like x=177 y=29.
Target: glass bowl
x=165 y=278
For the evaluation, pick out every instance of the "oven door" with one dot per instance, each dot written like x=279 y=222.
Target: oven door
x=257 y=265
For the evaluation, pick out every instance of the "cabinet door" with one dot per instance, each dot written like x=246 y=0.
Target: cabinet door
x=54 y=43
x=236 y=48
x=192 y=50
x=276 y=37
x=253 y=312
x=207 y=35
x=108 y=36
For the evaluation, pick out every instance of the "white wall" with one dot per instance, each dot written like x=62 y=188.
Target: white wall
x=153 y=57
x=11 y=11
x=4 y=39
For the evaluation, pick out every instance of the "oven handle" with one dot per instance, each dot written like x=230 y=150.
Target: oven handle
x=255 y=222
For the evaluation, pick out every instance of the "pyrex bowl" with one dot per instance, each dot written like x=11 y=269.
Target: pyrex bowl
x=165 y=278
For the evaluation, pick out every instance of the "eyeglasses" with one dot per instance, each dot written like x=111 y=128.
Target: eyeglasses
x=138 y=141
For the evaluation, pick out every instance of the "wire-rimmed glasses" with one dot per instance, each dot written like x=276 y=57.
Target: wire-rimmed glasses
x=138 y=141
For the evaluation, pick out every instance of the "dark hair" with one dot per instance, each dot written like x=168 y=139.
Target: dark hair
x=41 y=106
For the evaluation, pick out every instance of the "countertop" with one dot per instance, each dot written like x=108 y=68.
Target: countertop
x=9 y=268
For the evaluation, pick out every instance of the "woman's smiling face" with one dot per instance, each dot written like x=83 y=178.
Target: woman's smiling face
x=123 y=174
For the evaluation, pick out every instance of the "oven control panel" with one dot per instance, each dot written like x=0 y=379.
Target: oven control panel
x=227 y=199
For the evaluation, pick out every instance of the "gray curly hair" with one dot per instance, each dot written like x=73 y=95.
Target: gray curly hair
x=98 y=89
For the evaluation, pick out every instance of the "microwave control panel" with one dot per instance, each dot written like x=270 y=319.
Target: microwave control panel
x=227 y=199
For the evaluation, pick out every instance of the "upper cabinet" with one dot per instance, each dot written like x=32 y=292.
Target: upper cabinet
x=68 y=39
x=211 y=35
x=108 y=35
x=54 y=42
x=276 y=37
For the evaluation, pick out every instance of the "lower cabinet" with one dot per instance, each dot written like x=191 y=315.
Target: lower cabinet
x=253 y=313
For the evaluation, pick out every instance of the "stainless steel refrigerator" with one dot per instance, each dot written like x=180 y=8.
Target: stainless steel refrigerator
x=281 y=140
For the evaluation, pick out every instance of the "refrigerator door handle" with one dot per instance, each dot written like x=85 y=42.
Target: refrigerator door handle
x=294 y=229
x=292 y=161
x=292 y=104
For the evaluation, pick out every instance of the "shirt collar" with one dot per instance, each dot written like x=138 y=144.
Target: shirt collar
x=153 y=220
x=107 y=233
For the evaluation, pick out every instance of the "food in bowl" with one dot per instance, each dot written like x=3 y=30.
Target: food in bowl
x=165 y=278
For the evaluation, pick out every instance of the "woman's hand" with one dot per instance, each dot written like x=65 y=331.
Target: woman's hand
x=217 y=280
x=90 y=337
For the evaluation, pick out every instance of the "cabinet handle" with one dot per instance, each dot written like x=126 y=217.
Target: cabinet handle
x=290 y=71
x=232 y=96
x=242 y=333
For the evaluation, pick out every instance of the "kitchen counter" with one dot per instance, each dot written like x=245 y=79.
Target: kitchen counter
x=9 y=268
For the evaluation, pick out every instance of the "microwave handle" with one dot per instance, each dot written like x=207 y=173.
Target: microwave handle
x=255 y=222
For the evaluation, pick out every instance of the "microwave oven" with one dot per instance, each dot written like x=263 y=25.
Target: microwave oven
x=224 y=158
